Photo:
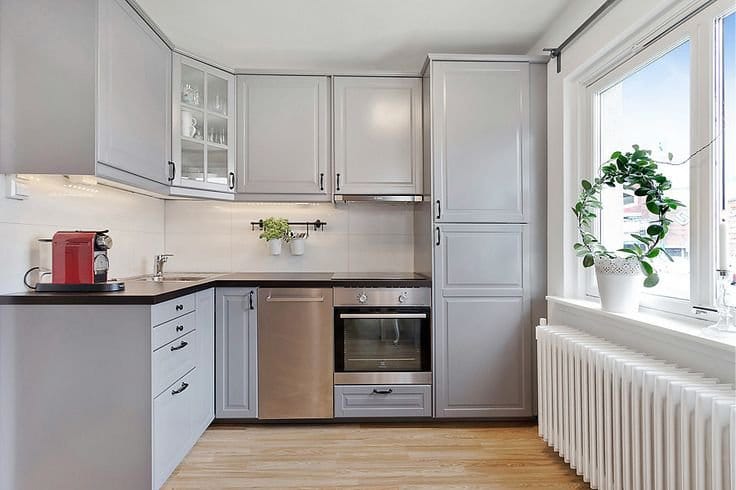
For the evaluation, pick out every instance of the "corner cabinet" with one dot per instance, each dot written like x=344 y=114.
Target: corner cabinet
x=100 y=101
x=378 y=135
x=482 y=353
x=236 y=372
x=480 y=138
x=283 y=138
x=203 y=124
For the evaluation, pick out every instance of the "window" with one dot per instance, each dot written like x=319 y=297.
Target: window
x=651 y=108
x=728 y=126
x=674 y=92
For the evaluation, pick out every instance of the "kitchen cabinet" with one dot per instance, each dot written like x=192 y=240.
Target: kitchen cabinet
x=236 y=373
x=203 y=127
x=480 y=141
x=378 y=135
x=283 y=138
x=99 y=100
x=127 y=389
x=482 y=362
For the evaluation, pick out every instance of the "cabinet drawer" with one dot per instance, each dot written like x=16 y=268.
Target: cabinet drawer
x=166 y=332
x=173 y=360
x=172 y=425
x=383 y=401
x=174 y=308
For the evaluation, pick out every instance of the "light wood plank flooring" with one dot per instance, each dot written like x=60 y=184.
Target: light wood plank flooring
x=428 y=455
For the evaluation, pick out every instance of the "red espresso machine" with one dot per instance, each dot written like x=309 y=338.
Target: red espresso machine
x=79 y=263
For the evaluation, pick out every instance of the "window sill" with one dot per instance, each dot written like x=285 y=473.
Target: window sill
x=659 y=323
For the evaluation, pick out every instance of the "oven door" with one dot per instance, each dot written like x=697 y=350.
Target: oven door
x=382 y=340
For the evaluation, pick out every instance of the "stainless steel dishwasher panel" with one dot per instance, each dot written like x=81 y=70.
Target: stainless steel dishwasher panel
x=295 y=353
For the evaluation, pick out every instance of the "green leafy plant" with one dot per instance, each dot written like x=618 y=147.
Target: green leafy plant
x=637 y=172
x=275 y=229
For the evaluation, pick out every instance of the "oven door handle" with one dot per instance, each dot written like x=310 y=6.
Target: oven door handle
x=388 y=316
x=287 y=299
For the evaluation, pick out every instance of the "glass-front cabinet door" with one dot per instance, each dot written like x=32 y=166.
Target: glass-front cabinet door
x=203 y=126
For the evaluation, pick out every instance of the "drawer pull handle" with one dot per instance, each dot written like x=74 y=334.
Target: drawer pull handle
x=183 y=387
x=180 y=346
x=382 y=392
x=180 y=328
x=179 y=307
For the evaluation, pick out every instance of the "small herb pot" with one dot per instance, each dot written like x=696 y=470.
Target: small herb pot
x=274 y=246
x=296 y=246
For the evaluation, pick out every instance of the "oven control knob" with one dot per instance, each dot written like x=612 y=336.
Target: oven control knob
x=362 y=298
x=403 y=297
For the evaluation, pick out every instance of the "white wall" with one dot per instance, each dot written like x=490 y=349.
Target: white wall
x=212 y=236
x=617 y=24
x=136 y=225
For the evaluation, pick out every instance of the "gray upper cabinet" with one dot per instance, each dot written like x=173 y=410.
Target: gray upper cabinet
x=480 y=133
x=99 y=100
x=236 y=370
x=482 y=327
x=203 y=135
x=378 y=135
x=134 y=94
x=283 y=138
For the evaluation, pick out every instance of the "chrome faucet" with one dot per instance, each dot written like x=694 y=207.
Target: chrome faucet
x=158 y=265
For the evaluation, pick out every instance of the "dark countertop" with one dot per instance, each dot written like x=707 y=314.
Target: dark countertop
x=139 y=292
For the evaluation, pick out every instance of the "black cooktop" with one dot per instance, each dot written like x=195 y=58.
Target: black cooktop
x=378 y=276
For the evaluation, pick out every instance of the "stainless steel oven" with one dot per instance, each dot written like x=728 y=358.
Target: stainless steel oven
x=383 y=336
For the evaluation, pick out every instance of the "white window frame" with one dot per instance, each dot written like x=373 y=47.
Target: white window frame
x=585 y=86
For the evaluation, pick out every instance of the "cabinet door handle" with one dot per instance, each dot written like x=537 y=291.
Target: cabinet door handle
x=250 y=301
x=388 y=391
x=172 y=171
x=180 y=328
x=439 y=209
x=338 y=182
x=321 y=181
x=231 y=180
x=183 y=387
x=179 y=307
x=438 y=236
x=181 y=345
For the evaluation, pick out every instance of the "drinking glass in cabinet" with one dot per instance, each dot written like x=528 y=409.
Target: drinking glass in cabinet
x=216 y=94
x=217 y=130
x=192 y=86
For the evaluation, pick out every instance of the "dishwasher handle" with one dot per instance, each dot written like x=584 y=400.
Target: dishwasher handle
x=295 y=299
x=387 y=316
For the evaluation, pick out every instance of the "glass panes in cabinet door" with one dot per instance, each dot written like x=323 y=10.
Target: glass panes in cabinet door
x=192 y=86
x=216 y=95
x=192 y=160
x=217 y=171
x=216 y=130
x=192 y=124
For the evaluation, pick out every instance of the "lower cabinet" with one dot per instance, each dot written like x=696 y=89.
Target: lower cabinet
x=182 y=380
x=482 y=322
x=236 y=376
x=383 y=401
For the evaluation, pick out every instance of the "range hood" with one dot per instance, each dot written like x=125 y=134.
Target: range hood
x=379 y=198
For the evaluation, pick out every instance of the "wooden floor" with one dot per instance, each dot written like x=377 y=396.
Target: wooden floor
x=478 y=455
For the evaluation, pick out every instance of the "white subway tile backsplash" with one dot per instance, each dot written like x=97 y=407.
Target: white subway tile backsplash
x=358 y=237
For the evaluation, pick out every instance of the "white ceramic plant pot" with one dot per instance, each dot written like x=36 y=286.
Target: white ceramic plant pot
x=619 y=283
x=297 y=246
x=275 y=246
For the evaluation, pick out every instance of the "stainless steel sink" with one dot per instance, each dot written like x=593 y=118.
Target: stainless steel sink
x=176 y=278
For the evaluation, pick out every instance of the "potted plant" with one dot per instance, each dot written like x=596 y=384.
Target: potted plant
x=296 y=242
x=620 y=273
x=274 y=231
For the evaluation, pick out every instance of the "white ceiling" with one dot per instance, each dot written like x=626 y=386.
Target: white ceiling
x=333 y=36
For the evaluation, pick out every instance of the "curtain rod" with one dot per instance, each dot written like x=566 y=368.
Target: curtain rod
x=556 y=53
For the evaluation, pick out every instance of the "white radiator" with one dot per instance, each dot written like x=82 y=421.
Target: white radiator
x=624 y=420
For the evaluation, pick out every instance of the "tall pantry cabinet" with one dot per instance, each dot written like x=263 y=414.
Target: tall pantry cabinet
x=487 y=159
